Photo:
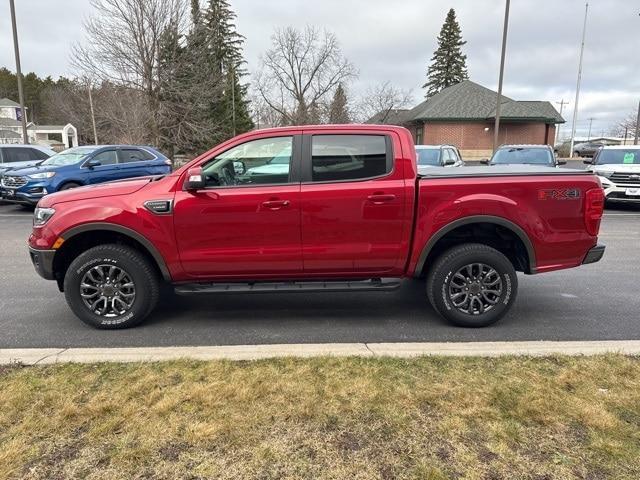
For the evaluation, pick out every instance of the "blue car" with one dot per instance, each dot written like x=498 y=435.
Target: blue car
x=81 y=166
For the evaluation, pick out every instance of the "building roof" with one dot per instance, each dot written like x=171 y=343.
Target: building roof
x=46 y=127
x=9 y=122
x=468 y=100
x=395 y=116
x=5 y=102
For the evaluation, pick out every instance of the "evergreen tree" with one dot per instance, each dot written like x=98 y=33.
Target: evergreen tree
x=226 y=63
x=338 y=110
x=448 y=64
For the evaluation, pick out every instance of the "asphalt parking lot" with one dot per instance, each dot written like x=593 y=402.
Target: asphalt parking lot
x=593 y=302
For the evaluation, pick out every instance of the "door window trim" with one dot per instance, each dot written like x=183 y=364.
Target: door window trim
x=307 y=158
x=294 y=164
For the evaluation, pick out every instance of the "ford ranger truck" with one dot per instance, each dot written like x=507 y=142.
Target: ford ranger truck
x=346 y=209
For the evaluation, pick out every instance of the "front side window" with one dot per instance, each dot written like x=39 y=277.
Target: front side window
x=108 y=157
x=266 y=161
x=13 y=154
x=348 y=157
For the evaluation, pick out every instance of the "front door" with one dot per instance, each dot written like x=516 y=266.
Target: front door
x=354 y=210
x=246 y=222
x=108 y=168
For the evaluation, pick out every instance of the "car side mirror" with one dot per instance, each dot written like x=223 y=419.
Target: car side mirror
x=239 y=167
x=588 y=161
x=93 y=163
x=449 y=161
x=484 y=161
x=562 y=162
x=194 y=179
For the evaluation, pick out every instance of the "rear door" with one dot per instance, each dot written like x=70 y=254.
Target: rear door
x=353 y=204
x=135 y=162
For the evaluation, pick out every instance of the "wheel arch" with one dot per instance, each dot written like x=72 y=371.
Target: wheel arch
x=88 y=235
x=440 y=237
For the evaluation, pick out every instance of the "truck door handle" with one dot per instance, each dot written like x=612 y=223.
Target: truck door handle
x=379 y=198
x=275 y=204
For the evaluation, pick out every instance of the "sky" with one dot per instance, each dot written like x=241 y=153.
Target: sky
x=394 y=40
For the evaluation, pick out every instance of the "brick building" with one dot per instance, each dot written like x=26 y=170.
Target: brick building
x=464 y=114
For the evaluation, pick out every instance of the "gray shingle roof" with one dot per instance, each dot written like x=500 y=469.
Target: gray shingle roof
x=469 y=101
x=9 y=122
x=5 y=102
x=396 y=116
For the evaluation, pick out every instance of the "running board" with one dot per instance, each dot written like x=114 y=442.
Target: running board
x=374 y=284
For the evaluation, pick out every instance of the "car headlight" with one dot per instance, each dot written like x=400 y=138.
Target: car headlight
x=37 y=176
x=42 y=216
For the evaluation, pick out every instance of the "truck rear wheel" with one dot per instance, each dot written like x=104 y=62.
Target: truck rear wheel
x=111 y=286
x=472 y=285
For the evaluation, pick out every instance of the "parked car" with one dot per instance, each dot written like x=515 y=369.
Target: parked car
x=541 y=155
x=14 y=156
x=81 y=166
x=587 y=149
x=438 y=156
x=619 y=170
x=329 y=223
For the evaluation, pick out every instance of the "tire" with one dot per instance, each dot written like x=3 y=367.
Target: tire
x=69 y=185
x=493 y=282
x=136 y=293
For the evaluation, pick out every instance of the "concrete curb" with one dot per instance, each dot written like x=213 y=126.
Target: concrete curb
x=39 y=356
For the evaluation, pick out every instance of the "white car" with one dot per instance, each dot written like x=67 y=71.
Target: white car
x=619 y=170
x=20 y=156
x=438 y=156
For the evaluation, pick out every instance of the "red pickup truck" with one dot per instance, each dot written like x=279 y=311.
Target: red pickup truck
x=315 y=208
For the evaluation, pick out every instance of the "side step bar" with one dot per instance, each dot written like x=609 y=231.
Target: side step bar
x=373 y=284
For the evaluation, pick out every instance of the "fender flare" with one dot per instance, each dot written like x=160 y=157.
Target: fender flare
x=503 y=222
x=112 y=227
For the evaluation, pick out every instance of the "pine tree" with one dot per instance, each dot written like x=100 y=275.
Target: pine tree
x=448 y=64
x=338 y=110
x=226 y=62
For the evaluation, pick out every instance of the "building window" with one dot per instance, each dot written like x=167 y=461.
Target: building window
x=419 y=134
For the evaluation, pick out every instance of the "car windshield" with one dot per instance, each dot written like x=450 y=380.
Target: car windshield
x=536 y=156
x=68 y=157
x=428 y=156
x=624 y=156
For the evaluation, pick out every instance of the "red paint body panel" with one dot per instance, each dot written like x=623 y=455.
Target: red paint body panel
x=350 y=229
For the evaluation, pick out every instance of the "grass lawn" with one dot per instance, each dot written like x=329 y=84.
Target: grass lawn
x=339 y=418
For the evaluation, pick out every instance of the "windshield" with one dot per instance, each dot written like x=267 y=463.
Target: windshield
x=68 y=157
x=428 y=156
x=624 y=156
x=536 y=156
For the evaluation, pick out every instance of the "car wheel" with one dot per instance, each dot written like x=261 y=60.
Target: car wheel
x=472 y=285
x=111 y=286
x=69 y=185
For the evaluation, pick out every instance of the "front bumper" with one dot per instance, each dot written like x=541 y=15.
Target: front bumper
x=43 y=262
x=618 y=193
x=594 y=255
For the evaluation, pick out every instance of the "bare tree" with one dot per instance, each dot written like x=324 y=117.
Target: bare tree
x=627 y=126
x=299 y=73
x=380 y=100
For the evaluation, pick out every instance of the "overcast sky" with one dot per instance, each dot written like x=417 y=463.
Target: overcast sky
x=394 y=40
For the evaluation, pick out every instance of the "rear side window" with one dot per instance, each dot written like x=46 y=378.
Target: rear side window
x=12 y=154
x=128 y=155
x=38 y=154
x=349 y=157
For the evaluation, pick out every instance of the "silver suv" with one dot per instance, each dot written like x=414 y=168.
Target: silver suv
x=21 y=156
x=619 y=170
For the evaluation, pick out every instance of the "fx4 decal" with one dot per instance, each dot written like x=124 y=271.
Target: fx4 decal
x=559 y=194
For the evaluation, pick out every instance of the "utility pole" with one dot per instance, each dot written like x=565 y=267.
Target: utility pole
x=496 y=127
x=590 y=124
x=575 y=105
x=93 y=116
x=635 y=139
x=23 y=112
x=562 y=103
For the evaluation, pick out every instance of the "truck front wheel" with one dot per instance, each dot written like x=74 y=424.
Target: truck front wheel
x=472 y=285
x=111 y=286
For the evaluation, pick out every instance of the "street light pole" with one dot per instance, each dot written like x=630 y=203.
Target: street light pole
x=575 y=105
x=496 y=127
x=590 y=124
x=23 y=112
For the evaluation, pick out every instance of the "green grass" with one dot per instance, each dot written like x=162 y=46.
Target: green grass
x=362 y=418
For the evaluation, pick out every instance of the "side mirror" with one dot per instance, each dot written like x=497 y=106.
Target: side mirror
x=562 y=162
x=239 y=167
x=588 y=161
x=449 y=161
x=93 y=163
x=484 y=161
x=194 y=179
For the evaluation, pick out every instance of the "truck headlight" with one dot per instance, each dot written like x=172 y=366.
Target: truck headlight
x=38 y=176
x=42 y=216
x=603 y=173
